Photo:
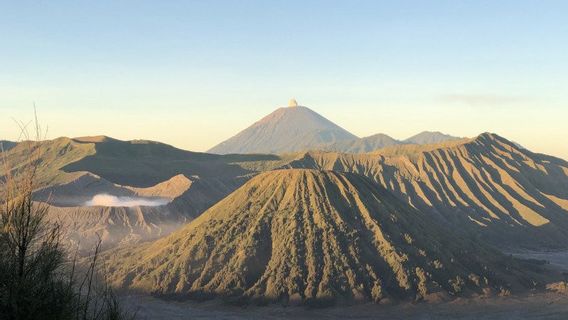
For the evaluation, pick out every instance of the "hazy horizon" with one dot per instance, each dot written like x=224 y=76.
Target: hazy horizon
x=193 y=74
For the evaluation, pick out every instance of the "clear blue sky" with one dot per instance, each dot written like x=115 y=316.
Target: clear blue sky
x=192 y=73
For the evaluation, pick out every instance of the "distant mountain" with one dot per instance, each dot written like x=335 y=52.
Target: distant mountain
x=285 y=130
x=429 y=137
x=6 y=145
x=486 y=186
x=316 y=237
x=362 y=145
x=379 y=141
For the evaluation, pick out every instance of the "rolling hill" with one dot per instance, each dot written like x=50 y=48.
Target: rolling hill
x=137 y=163
x=315 y=237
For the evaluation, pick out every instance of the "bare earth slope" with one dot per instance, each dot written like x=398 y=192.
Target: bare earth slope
x=118 y=224
x=306 y=236
x=285 y=130
x=487 y=186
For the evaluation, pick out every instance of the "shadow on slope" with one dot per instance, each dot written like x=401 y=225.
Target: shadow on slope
x=314 y=237
x=486 y=186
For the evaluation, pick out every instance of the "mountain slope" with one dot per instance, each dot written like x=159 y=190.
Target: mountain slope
x=117 y=218
x=137 y=163
x=74 y=171
x=285 y=130
x=362 y=145
x=141 y=163
x=486 y=186
x=314 y=237
x=429 y=137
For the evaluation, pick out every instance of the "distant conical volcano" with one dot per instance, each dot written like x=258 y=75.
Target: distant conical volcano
x=314 y=236
x=288 y=129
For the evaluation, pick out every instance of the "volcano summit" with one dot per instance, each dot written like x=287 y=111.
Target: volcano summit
x=288 y=129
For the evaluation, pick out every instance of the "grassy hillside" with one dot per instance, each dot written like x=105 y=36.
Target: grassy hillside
x=146 y=163
x=54 y=155
x=129 y=163
x=306 y=236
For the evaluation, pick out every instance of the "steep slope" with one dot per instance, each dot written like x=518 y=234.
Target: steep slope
x=83 y=226
x=314 y=237
x=429 y=137
x=285 y=130
x=114 y=223
x=486 y=186
x=90 y=206
x=362 y=145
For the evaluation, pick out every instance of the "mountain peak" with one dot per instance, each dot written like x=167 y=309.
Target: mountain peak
x=291 y=129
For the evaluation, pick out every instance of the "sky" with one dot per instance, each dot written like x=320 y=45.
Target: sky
x=193 y=73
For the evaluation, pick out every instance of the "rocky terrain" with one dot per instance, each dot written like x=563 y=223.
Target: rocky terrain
x=487 y=186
